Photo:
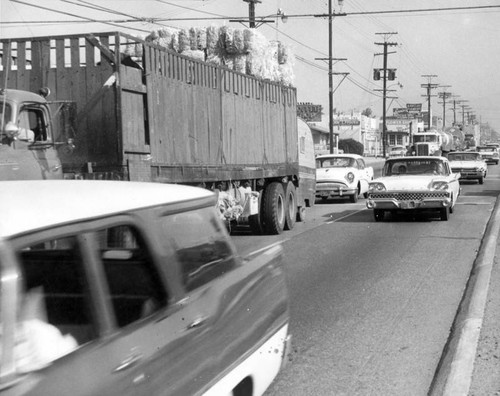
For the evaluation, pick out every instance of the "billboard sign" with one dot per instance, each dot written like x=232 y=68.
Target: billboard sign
x=414 y=107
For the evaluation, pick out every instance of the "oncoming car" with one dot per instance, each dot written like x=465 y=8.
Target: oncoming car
x=342 y=175
x=414 y=184
x=489 y=153
x=127 y=289
x=397 y=151
x=470 y=165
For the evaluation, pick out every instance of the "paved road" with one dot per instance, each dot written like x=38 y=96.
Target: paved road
x=373 y=303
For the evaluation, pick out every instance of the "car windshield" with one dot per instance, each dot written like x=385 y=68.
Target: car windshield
x=464 y=157
x=424 y=138
x=414 y=167
x=335 y=162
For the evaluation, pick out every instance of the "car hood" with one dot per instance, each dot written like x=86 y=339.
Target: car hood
x=333 y=173
x=466 y=164
x=409 y=182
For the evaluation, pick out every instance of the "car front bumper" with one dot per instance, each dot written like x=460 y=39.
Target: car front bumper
x=331 y=189
x=404 y=200
x=469 y=173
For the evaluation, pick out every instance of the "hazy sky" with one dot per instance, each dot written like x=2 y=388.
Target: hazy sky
x=460 y=47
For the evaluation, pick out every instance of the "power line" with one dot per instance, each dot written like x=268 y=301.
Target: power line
x=73 y=15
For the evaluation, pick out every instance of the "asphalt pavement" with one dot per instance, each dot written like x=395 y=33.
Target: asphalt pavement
x=470 y=365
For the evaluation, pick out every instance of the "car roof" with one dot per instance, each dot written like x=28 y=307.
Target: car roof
x=413 y=157
x=30 y=205
x=345 y=155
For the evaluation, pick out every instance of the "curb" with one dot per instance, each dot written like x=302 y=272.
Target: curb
x=453 y=376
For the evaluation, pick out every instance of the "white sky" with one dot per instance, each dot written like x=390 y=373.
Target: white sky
x=461 y=47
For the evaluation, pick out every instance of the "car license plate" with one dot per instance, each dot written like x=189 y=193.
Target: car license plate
x=408 y=205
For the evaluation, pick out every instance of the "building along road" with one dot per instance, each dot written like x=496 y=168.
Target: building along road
x=372 y=304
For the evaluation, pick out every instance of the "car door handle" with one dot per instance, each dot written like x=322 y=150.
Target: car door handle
x=130 y=361
x=197 y=323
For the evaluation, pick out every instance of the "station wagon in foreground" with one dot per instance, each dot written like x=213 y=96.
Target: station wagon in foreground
x=413 y=184
x=122 y=288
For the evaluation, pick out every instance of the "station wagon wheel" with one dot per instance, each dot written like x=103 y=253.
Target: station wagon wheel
x=378 y=214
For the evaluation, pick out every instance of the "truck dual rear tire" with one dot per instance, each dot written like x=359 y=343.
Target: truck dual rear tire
x=290 y=206
x=274 y=209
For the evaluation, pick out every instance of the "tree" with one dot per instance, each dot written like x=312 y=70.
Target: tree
x=367 y=112
x=351 y=146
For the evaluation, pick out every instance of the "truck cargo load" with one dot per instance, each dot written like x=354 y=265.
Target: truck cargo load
x=164 y=117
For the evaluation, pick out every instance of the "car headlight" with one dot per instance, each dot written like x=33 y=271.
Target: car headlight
x=350 y=177
x=439 y=185
x=376 y=187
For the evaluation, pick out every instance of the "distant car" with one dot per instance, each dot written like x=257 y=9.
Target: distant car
x=489 y=153
x=397 y=151
x=123 y=289
x=342 y=175
x=470 y=165
x=419 y=183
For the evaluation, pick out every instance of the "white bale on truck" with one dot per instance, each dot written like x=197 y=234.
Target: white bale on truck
x=164 y=117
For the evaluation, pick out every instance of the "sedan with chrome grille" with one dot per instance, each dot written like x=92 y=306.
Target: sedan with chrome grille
x=424 y=183
x=342 y=175
x=470 y=165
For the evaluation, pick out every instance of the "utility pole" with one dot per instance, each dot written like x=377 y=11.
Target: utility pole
x=251 y=11
x=455 y=102
x=388 y=74
x=428 y=87
x=331 y=14
x=463 y=106
x=444 y=95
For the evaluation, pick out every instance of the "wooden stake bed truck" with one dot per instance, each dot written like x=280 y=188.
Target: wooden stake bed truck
x=164 y=117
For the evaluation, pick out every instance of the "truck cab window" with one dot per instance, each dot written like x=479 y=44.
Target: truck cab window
x=32 y=125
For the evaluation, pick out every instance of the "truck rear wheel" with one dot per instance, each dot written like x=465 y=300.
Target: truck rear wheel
x=273 y=208
x=290 y=206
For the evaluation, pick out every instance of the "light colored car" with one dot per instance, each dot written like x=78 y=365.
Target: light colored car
x=342 y=175
x=129 y=289
x=470 y=165
x=414 y=184
x=397 y=151
x=489 y=153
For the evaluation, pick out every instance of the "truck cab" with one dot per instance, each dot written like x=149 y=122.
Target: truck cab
x=27 y=147
x=427 y=143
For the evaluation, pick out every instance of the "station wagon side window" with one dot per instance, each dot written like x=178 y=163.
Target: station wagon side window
x=56 y=314
x=135 y=286
x=201 y=245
